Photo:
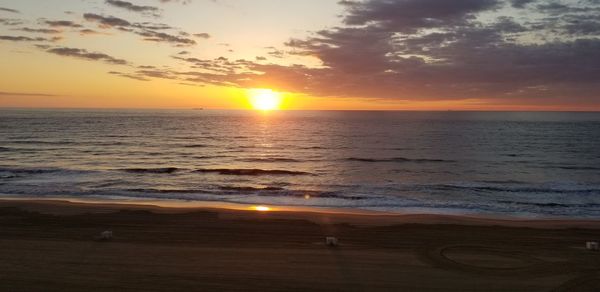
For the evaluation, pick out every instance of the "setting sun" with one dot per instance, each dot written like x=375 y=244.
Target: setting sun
x=264 y=99
x=261 y=208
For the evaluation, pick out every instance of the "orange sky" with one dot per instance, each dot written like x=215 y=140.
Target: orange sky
x=317 y=54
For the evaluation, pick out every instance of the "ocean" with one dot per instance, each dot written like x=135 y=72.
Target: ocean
x=520 y=164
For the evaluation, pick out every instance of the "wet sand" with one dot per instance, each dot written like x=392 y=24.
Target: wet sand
x=51 y=246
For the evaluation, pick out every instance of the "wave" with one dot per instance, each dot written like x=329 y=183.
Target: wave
x=151 y=170
x=44 y=142
x=399 y=159
x=251 y=172
x=165 y=191
x=265 y=192
x=503 y=182
x=289 y=160
x=250 y=189
x=560 y=205
x=579 y=167
x=196 y=146
x=532 y=189
x=31 y=170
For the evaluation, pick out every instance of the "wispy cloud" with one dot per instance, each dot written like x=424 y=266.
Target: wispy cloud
x=135 y=8
x=10 y=21
x=84 y=54
x=4 y=93
x=9 y=10
x=202 y=35
x=130 y=76
x=106 y=21
x=62 y=23
x=25 y=39
x=149 y=31
x=40 y=30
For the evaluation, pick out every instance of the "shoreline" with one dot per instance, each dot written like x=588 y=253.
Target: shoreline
x=71 y=206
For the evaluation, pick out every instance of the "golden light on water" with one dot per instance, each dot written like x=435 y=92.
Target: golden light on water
x=264 y=99
x=261 y=208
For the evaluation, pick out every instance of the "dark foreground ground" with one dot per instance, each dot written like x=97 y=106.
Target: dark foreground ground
x=47 y=246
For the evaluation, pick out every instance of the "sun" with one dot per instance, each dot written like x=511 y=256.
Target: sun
x=264 y=99
x=261 y=208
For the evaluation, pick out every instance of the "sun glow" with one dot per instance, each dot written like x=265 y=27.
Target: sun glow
x=261 y=208
x=264 y=99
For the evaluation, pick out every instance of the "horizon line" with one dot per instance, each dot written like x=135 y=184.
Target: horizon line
x=292 y=110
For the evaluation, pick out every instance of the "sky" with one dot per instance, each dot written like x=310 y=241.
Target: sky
x=318 y=54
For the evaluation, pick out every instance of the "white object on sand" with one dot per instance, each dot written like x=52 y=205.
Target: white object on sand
x=592 y=245
x=106 y=235
x=331 y=241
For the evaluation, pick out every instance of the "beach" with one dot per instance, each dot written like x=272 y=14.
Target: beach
x=53 y=245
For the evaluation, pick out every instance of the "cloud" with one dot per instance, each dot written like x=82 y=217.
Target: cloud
x=23 y=39
x=150 y=35
x=409 y=15
x=3 y=93
x=437 y=50
x=10 y=22
x=88 y=31
x=202 y=35
x=9 y=10
x=429 y=50
x=106 y=21
x=407 y=50
x=520 y=3
x=62 y=23
x=84 y=54
x=130 y=76
x=149 y=31
x=132 y=7
x=40 y=30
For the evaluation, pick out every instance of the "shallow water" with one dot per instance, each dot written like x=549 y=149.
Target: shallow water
x=520 y=164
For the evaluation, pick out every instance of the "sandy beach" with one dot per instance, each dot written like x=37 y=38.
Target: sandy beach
x=51 y=246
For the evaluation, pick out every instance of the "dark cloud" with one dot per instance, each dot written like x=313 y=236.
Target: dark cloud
x=153 y=26
x=202 y=35
x=106 y=21
x=23 y=39
x=62 y=23
x=410 y=15
x=9 y=10
x=155 y=36
x=88 y=31
x=40 y=30
x=84 y=54
x=521 y=3
x=132 y=7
